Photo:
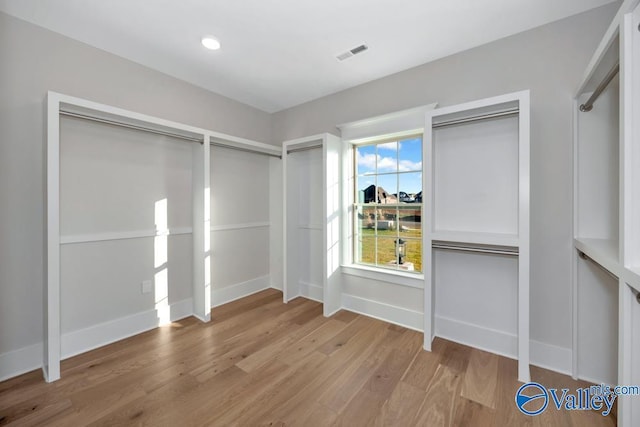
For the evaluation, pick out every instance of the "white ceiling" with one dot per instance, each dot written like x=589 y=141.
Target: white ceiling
x=280 y=53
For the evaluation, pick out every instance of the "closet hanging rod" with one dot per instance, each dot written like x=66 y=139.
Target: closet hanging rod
x=246 y=150
x=510 y=252
x=588 y=106
x=505 y=113
x=311 y=147
x=130 y=126
x=588 y=258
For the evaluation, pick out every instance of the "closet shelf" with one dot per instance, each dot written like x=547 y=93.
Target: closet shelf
x=492 y=239
x=601 y=251
x=632 y=277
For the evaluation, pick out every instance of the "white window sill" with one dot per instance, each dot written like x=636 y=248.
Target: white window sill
x=411 y=280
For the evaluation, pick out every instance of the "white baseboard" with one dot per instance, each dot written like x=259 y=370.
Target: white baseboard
x=544 y=355
x=491 y=340
x=83 y=340
x=27 y=359
x=551 y=357
x=227 y=294
x=311 y=291
x=18 y=362
x=389 y=313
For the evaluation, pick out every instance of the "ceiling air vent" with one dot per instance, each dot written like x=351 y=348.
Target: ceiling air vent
x=351 y=52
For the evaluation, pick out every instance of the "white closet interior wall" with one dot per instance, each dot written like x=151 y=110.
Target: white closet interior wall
x=119 y=188
x=240 y=223
x=305 y=193
x=598 y=201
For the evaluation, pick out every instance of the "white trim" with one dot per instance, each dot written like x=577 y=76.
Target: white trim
x=122 y=235
x=497 y=239
x=83 y=340
x=552 y=357
x=311 y=291
x=304 y=142
x=391 y=124
x=236 y=291
x=227 y=227
x=317 y=227
x=51 y=339
x=391 y=137
x=386 y=312
x=222 y=140
x=330 y=145
x=602 y=252
x=574 y=253
x=383 y=275
x=487 y=104
x=491 y=340
x=201 y=221
x=27 y=359
x=548 y=356
x=520 y=100
x=605 y=43
x=524 y=210
x=20 y=361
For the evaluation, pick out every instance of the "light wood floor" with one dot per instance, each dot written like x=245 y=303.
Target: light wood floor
x=261 y=362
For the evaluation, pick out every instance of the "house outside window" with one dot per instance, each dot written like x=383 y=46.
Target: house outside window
x=388 y=204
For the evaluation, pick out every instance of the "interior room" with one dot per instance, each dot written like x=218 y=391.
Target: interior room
x=212 y=213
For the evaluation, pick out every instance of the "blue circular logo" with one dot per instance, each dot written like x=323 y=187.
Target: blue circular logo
x=532 y=398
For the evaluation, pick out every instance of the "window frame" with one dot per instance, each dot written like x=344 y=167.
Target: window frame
x=357 y=206
x=392 y=125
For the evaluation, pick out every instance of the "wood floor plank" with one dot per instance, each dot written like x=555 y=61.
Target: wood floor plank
x=480 y=378
x=364 y=406
x=473 y=414
x=401 y=407
x=422 y=369
x=268 y=394
x=262 y=362
x=439 y=405
x=312 y=341
x=345 y=335
x=243 y=305
x=455 y=356
x=349 y=357
x=278 y=347
x=507 y=413
x=338 y=392
x=345 y=316
x=32 y=412
x=171 y=397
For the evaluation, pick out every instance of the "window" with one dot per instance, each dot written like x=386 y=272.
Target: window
x=388 y=204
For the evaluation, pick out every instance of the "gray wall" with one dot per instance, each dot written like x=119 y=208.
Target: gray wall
x=34 y=60
x=549 y=61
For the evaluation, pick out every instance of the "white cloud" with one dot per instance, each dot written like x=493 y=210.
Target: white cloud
x=367 y=161
x=386 y=164
x=389 y=146
x=408 y=165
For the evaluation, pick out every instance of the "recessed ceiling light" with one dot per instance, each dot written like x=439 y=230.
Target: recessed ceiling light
x=210 y=43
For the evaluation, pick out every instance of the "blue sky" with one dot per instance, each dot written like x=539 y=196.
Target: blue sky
x=403 y=156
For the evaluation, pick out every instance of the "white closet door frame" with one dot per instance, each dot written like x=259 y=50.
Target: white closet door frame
x=57 y=103
x=629 y=208
x=522 y=240
x=332 y=153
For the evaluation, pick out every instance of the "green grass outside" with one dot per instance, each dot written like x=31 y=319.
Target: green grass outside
x=386 y=246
